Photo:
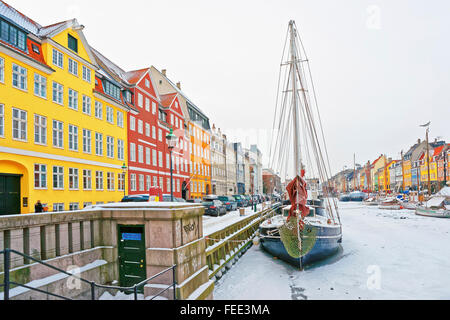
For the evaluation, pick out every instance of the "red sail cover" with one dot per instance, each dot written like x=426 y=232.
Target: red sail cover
x=298 y=195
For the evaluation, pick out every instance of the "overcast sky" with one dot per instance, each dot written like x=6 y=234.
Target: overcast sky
x=381 y=68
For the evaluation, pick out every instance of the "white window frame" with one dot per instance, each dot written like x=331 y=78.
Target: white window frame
x=19 y=125
x=58 y=58
x=140 y=154
x=40 y=86
x=73 y=179
x=86 y=74
x=87 y=105
x=132 y=123
x=73 y=99
x=98 y=110
x=147 y=156
x=58 y=134
x=59 y=178
x=140 y=126
x=110 y=115
x=120 y=149
x=110 y=181
x=121 y=181
x=147 y=104
x=99 y=185
x=73 y=137
x=40 y=129
x=154 y=158
x=147 y=129
x=140 y=100
x=73 y=67
x=98 y=144
x=132 y=152
x=2 y=70
x=153 y=107
x=41 y=173
x=2 y=120
x=110 y=147
x=133 y=182
x=87 y=179
x=141 y=182
x=87 y=141
x=58 y=93
x=20 y=76
x=120 y=119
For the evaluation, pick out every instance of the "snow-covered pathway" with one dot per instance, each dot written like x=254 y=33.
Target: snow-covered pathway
x=386 y=255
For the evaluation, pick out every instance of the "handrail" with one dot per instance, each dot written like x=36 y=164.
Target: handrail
x=7 y=282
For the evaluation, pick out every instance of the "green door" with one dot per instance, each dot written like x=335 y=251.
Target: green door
x=132 y=265
x=9 y=194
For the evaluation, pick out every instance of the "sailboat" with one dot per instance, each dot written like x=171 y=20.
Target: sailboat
x=309 y=229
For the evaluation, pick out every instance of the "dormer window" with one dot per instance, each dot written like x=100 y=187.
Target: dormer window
x=128 y=96
x=111 y=89
x=72 y=43
x=35 y=48
x=13 y=35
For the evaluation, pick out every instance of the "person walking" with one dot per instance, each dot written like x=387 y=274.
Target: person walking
x=38 y=207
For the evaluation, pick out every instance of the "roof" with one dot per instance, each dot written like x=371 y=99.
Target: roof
x=373 y=163
x=134 y=77
x=19 y=18
x=167 y=99
x=111 y=69
x=438 y=150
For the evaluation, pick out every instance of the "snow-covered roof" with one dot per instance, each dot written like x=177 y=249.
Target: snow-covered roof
x=19 y=18
x=445 y=192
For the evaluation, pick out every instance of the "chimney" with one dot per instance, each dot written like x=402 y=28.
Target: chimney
x=418 y=141
x=179 y=85
x=164 y=72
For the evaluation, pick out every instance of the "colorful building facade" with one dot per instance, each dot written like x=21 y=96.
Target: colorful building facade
x=52 y=146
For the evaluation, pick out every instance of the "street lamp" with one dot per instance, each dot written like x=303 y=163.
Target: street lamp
x=124 y=171
x=171 y=142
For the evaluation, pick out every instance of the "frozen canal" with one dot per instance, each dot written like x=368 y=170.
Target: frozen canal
x=386 y=255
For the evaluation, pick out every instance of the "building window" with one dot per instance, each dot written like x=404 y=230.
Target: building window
x=73 y=67
x=58 y=134
x=154 y=159
x=2 y=70
x=86 y=74
x=168 y=161
x=58 y=92
x=19 y=124
x=147 y=156
x=110 y=181
x=87 y=179
x=120 y=149
x=153 y=107
x=58 y=59
x=155 y=181
x=74 y=206
x=73 y=138
x=140 y=100
x=133 y=182
x=73 y=99
x=120 y=119
x=98 y=144
x=99 y=180
x=87 y=103
x=147 y=83
x=140 y=154
x=161 y=183
x=160 y=157
x=141 y=182
x=40 y=176
x=73 y=179
x=132 y=152
x=147 y=130
x=13 y=35
x=110 y=114
x=86 y=141
x=2 y=120
x=111 y=89
x=121 y=182
x=19 y=77
x=153 y=132
x=168 y=185
x=72 y=43
x=109 y=147
x=147 y=104
x=160 y=136
x=40 y=86
x=58 y=207
x=149 y=183
x=140 y=127
x=40 y=129
x=132 y=123
x=98 y=110
x=58 y=178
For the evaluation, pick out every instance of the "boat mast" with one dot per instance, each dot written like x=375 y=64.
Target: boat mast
x=296 y=133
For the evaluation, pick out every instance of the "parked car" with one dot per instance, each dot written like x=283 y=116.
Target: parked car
x=136 y=198
x=214 y=208
x=194 y=201
x=229 y=202
x=241 y=201
x=210 y=197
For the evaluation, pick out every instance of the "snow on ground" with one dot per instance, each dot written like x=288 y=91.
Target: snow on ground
x=386 y=254
x=212 y=224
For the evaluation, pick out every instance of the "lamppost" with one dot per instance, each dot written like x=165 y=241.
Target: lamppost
x=124 y=172
x=171 y=142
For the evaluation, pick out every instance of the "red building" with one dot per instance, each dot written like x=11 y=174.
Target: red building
x=150 y=120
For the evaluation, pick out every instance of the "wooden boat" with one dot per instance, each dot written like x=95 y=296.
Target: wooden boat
x=438 y=206
x=371 y=202
x=345 y=197
x=391 y=204
x=309 y=229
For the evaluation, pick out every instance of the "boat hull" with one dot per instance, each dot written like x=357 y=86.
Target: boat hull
x=440 y=213
x=327 y=243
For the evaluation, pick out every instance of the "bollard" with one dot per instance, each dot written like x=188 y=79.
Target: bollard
x=6 y=284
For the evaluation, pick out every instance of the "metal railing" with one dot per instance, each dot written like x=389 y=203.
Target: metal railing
x=7 y=281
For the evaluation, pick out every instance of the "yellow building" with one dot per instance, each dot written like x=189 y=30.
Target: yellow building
x=61 y=142
x=380 y=162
